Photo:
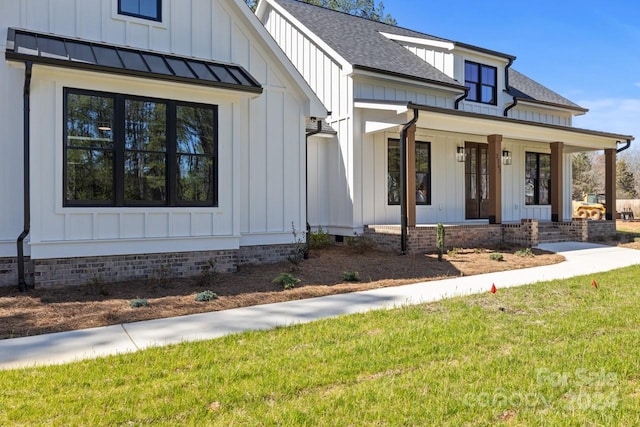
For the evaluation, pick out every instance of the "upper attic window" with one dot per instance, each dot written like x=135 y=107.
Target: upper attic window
x=145 y=9
x=481 y=81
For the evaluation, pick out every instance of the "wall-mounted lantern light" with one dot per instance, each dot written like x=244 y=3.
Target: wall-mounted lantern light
x=506 y=157
x=461 y=154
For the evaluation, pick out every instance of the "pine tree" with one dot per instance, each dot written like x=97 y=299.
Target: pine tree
x=583 y=176
x=625 y=181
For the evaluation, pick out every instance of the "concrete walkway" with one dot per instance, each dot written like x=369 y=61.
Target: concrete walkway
x=64 y=347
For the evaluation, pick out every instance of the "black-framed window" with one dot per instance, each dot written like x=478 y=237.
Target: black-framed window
x=146 y=9
x=423 y=172
x=123 y=150
x=482 y=82
x=537 y=185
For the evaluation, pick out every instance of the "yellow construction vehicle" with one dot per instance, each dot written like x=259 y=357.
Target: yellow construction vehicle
x=593 y=206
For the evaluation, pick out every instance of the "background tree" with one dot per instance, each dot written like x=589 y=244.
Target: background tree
x=583 y=176
x=363 y=8
x=625 y=181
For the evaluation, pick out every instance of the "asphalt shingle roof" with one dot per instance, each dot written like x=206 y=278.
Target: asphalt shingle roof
x=524 y=88
x=359 y=42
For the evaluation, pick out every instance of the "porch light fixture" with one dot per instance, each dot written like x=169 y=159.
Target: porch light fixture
x=506 y=157
x=461 y=154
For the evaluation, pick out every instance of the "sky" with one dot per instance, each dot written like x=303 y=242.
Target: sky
x=586 y=50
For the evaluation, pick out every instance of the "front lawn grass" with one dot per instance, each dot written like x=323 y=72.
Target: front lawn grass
x=561 y=353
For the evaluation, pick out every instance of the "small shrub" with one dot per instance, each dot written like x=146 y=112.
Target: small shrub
x=319 y=239
x=161 y=276
x=525 y=253
x=207 y=275
x=299 y=248
x=206 y=296
x=636 y=239
x=454 y=252
x=440 y=234
x=351 y=276
x=479 y=250
x=139 y=302
x=496 y=256
x=97 y=286
x=360 y=243
x=287 y=280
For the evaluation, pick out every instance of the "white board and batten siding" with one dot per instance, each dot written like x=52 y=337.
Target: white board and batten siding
x=331 y=161
x=261 y=138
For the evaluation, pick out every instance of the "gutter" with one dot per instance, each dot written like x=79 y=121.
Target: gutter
x=306 y=182
x=461 y=98
x=627 y=145
x=403 y=181
x=22 y=284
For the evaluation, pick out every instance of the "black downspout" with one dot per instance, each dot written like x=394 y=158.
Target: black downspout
x=506 y=88
x=306 y=183
x=627 y=145
x=506 y=110
x=403 y=182
x=22 y=283
x=461 y=98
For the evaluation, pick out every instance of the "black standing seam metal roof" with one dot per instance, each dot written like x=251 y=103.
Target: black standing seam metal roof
x=359 y=42
x=24 y=45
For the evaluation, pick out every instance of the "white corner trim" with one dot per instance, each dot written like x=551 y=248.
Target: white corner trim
x=420 y=41
x=398 y=108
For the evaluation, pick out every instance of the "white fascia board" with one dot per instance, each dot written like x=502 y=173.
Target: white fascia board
x=381 y=105
x=419 y=41
x=374 y=127
x=516 y=131
x=315 y=107
x=346 y=66
x=479 y=53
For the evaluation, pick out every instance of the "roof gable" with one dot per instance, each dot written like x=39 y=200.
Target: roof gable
x=360 y=42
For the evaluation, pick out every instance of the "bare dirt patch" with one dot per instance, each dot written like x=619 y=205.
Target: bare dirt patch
x=47 y=310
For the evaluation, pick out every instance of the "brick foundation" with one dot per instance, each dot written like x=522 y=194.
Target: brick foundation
x=528 y=233
x=79 y=271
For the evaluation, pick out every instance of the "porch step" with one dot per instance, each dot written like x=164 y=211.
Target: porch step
x=550 y=233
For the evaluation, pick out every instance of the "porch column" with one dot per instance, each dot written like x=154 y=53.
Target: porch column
x=495 y=179
x=411 y=176
x=556 y=181
x=610 y=183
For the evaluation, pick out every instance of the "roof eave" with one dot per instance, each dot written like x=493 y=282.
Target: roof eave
x=607 y=135
x=577 y=109
x=422 y=80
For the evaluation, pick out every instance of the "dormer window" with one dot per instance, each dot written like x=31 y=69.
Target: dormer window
x=481 y=81
x=145 y=9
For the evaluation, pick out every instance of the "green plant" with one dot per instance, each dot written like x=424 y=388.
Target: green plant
x=496 y=256
x=205 y=296
x=636 y=239
x=360 y=243
x=161 y=275
x=139 y=302
x=351 y=276
x=525 y=253
x=319 y=239
x=454 y=252
x=287 y=280
x=208 y=273
x=440 y=233
x=299 y=248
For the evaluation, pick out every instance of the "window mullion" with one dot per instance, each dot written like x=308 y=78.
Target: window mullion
x=118 y=137
x=171 y=154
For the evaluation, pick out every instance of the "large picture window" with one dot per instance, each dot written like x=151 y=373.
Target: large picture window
x=482 y=82
x=146 y=9
x=423 y=173
x=130 y=151
x=537 y=185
